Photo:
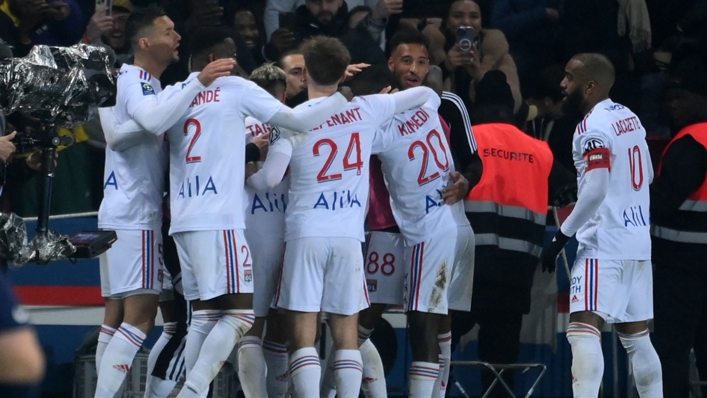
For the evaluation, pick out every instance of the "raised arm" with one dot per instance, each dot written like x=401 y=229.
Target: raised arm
x=304 y=118
x=411 y=98
x=157 y=113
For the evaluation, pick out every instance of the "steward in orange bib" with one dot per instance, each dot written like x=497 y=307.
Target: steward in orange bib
x=679 y=230
x=507 y=210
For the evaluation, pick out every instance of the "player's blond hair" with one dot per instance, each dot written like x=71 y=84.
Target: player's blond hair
x=268 y=72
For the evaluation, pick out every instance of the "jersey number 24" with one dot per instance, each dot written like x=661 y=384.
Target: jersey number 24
x=354 y=148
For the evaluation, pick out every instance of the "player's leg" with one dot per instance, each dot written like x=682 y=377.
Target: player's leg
x=276 y=357
x=342 y=300
x=251 y=361
x=634 y=333
x=426 y=302
x=113 y=315
x=299 y=293
x=444 y=340
x=459 y=298
x=112 y=319
x=229 y=280
x=373 y=383
x=385 y=277
x=137 y=274
x=252 y=368
x=584 y=330
x=165 y=365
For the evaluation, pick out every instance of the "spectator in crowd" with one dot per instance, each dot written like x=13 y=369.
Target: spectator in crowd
x=293 y=65
x=189 y=15
x=503 y=276
x=24 y=23
x=489 y=52
x=679 y=231
x=328 y=18
x=245 y=24
x=274 y=7
x=110 y=30
x=532 y=28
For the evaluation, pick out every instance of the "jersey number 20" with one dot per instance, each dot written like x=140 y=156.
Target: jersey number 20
x=354 y=146
x=428 y=147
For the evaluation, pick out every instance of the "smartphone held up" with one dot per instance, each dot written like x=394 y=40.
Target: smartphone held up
x=466 y=35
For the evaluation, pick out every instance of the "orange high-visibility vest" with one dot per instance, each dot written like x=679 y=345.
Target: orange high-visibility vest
x=688 y=225
x=509 y=205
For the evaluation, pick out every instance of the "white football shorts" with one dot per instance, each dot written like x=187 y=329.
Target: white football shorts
x=323 y=274
x=214 y=263
x=617 y=290
x=384 y=267
x=268 y=252
x=134 y=262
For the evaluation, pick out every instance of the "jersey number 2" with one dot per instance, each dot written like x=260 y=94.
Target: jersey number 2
x=354 y=146
x=197 y=126
x=636 y=165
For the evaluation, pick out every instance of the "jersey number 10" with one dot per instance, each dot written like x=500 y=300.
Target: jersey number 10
x=354 y=146
x=635 y=163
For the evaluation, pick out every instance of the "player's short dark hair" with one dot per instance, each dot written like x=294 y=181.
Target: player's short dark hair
x=204 y=39
x=407 y=36
x=270 y=77
x=140 y=20
x=326 y=59
x=279 y=63
x=372 y=80
x=599 y=68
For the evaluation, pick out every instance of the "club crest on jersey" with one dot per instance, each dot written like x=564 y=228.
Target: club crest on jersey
x=274 y=134
x=248 y=275
x=592 y=144
x=147 y=89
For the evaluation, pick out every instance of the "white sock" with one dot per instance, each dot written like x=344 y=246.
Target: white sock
x=587 y=359
x=305 y=371
x=167 y=333
x=104 y=337
x=251 y=367
x=202 y=322
x=216 y=349
x=645 y=364
x=373 y=383
x=159 y=388
x=118 y=359
x=348 y=371
x=445 y=356
x=277 y=360
x=422 y=379
x=363 y=334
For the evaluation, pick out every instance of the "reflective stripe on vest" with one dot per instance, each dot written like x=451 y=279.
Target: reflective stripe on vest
x=675 y=236
x=516 y=245
x=694 y=205
x=473 y=206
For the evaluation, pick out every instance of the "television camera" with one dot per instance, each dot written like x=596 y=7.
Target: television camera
x=58 y=87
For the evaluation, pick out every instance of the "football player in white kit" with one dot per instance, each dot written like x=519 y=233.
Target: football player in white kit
x=131 y=271
x=323 y=268
x=612 y=275
x=262 y=364
x=207 y=172
x=438 y=253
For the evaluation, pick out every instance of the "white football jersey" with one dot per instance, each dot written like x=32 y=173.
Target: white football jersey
x=264 y=210
x=620 y=229
x=416 y=162
x=133 y=181
x=329 y=170
x=207 y=155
